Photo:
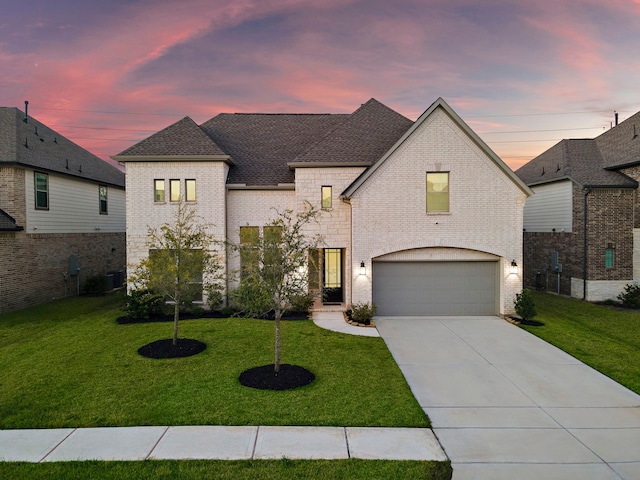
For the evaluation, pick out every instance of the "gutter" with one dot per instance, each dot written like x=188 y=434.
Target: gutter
x=585 y=244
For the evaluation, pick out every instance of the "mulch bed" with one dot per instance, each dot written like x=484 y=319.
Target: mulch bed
x=516 y=320
x=357 y=324
x=206 y=314
x=185 y=347
x=265 y=377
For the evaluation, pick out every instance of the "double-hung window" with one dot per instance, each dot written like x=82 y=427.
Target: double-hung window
x=42 y=191
x=437 y=192
x=102 y=193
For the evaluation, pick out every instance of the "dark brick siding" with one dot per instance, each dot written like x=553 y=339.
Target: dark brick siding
x=610 y=221
x=32 y=265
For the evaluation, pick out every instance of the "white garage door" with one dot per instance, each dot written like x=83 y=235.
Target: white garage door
x=435 y=288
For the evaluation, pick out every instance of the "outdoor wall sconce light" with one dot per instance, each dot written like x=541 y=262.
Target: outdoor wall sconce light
x=363 y=269
x=514 y=267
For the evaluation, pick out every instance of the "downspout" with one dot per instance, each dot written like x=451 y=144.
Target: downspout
x=585 y=244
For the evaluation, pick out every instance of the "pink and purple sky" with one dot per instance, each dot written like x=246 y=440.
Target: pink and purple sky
x=523 y=75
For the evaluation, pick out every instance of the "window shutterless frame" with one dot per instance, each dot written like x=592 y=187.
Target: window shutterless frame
x=158 y=190
x=41 y=191
x=174 y=190
x=102 y=193
x=190 y=190
x=326 y=192
x=437 y=192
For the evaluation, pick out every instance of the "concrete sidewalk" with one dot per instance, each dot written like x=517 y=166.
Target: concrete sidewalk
x=505 y=404
x=218 y=443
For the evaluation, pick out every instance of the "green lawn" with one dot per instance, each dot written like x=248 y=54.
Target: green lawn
x=69 y=364
x=606 y=338
x=230 y=470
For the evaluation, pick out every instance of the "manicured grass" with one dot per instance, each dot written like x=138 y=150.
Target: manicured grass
x=69 y=364
x=605 y=338
x=232 y=470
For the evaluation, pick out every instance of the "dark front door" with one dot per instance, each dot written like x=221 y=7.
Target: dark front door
x=332 y=289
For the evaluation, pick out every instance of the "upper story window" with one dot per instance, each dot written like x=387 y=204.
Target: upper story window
x=190 y=190
x=326 y=197
x=437 y=192
x=174 y=190
x=158 y=191
x=102 y=193
x=42 y=191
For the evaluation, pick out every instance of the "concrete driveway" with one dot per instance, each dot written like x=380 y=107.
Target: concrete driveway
x=505 y=404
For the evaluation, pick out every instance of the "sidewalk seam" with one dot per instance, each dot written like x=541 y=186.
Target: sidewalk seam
x=57 y=445
x=157 y=442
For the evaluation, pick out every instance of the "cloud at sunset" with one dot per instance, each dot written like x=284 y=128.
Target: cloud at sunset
x=107 y=75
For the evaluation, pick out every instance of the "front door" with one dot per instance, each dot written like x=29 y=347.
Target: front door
x=332 y=290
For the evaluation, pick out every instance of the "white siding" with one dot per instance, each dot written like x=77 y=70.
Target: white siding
x=74 y=207
x=550 y=208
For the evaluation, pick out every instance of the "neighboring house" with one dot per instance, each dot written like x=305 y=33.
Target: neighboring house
x=61 y=209
x=582 y=235
x=421 y=217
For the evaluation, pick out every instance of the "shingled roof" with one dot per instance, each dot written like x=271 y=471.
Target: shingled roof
x=35 y=145
x=8 y=223
x=264 y=148
x=589 y=162
x=183 y=138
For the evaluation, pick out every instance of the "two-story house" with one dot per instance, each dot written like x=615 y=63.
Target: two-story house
x=419 y=217
x=582 y=226
x=62 y=218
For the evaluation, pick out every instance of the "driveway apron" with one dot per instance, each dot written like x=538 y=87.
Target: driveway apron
x=505 y=404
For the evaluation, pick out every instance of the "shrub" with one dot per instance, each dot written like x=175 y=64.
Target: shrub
x=302 y=302
x=94 y=285
x=214 y=297
x=251 y=299
x=525 y=307
x=362 y=312
x=142 y=304
x=630 y=297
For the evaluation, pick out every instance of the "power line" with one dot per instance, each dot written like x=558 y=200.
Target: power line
x=103 y=128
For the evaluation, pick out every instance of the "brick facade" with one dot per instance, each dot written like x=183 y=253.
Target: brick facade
x=34 y=267
x=609 y=225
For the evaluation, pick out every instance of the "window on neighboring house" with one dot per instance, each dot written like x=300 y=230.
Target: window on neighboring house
x=437 y=192
x=326 y=197
x=42 y=191
x=102 y=189
x=249 y=250
x=609 y=257
x=158 y=187
x=174 y=190
x=190 y=190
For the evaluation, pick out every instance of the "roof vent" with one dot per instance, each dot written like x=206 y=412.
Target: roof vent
x=635 y=135
x=542 y=171
x=26 y=112
x=615 y=114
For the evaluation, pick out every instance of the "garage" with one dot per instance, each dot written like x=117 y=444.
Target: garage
x=435 y=288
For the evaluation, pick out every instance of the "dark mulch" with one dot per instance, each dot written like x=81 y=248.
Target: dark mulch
x=165 y=348
x=519 y=321
x=265 y=377
x=206 y=314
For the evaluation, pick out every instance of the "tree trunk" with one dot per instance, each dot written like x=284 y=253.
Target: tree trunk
x=276 y=367
x=176 y=318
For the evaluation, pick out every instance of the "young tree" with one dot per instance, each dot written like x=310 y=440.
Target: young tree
x=180 y=263
x=274 y=267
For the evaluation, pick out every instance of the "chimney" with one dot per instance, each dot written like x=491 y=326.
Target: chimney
x=26 y=111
